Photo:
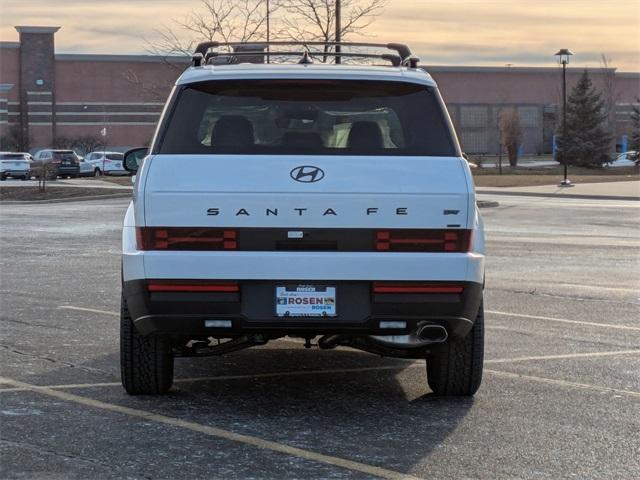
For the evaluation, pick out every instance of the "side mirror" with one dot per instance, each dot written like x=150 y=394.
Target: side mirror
x=133 y=159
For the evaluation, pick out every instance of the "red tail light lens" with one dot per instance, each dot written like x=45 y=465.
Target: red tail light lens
x=185 y=238
x=454 y=241
x=192 y=286
x=416 y=287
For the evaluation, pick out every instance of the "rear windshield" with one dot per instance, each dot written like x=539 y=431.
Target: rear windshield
x=65 y=155
x=12 y=156
x=115 y=156
x=307 y=117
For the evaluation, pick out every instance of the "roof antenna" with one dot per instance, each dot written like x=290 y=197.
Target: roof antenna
x=306 y=58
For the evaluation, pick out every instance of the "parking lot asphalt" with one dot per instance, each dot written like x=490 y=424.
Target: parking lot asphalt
x=560 y=396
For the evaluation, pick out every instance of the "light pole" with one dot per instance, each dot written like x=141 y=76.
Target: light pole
x=563 y=57
x=338 y=30
x=268 y=31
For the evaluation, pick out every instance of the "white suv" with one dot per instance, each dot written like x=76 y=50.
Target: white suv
x=307 y=200
x=105 y=163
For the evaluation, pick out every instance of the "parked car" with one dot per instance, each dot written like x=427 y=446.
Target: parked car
x=303 y=200
x=86 y=168
x=15 y=165
x=56 y=163
x=626 y=159
x=106 y=163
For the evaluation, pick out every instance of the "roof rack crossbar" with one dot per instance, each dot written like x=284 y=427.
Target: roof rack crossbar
x=394 y=59
x=406 y=58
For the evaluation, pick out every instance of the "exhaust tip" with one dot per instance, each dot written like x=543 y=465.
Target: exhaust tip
x=432 y=333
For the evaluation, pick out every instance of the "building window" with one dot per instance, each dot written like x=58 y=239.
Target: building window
x=528 y=116
x=475 y=141
x=474 y=116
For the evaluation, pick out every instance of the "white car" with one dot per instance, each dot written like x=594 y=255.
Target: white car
x=317 y=201
x=15 y=165
x=626 y=159
x=104 y=163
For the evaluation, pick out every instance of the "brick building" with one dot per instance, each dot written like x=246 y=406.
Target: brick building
x=118 y=98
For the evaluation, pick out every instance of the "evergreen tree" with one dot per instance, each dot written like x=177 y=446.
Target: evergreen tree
x=634 y=137
x=587 y=141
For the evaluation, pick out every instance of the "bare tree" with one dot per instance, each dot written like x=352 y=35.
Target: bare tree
x=63 y=143
x=245 y=20
x=511 y=133
x=634 y=134
x=610 y=92
x=154 y=90
x=12 y=140
x=88 y=143
x=314 y=20
x=226 y=20
x=223 y=20
x=83 y=144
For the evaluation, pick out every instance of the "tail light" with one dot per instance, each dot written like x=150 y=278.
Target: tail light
x=416 y=287
x=454 y=241
x=193 y=286
x=185 y=238
x=56 y=162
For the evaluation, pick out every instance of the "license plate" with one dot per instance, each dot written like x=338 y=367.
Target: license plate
x=305 y=301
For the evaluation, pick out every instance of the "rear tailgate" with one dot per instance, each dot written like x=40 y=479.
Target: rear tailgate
x=260 y=191
x=17 y=165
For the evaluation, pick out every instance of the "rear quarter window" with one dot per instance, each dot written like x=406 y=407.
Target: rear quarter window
x=313 y=117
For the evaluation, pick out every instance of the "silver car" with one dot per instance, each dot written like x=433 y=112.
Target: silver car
x=626 y=159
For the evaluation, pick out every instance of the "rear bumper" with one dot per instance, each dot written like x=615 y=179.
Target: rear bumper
x=63 y=170
x=252 y=310
x=15 y=173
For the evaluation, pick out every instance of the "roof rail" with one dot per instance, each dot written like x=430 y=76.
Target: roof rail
x=404 y=57
x=305 y=56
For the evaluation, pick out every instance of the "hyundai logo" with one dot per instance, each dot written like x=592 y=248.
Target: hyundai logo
x=307 y=174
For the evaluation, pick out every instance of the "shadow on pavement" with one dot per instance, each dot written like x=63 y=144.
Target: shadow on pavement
x=384 y=417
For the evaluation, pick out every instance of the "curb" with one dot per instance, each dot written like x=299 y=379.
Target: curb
x=487 y=204
x=65 y=200
x=556 y=195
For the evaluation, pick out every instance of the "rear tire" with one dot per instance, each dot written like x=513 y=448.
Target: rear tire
x=456 y=368
x=146 y=362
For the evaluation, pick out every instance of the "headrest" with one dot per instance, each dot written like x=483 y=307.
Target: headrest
x=232 y=131
x=365 y=135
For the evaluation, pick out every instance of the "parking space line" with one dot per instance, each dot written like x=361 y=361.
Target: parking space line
x=416 y=364
x=558 y=357
x=215 y=432
x=564 y=320
x=63 y=386
x=92 y=310
x=225 y=377
x=563 y=383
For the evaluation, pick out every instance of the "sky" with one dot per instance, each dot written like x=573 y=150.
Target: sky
x=441 y=32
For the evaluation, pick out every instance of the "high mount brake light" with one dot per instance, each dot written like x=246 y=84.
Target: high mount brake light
x=185 y=238
x=453 y=241
x=416 y=287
